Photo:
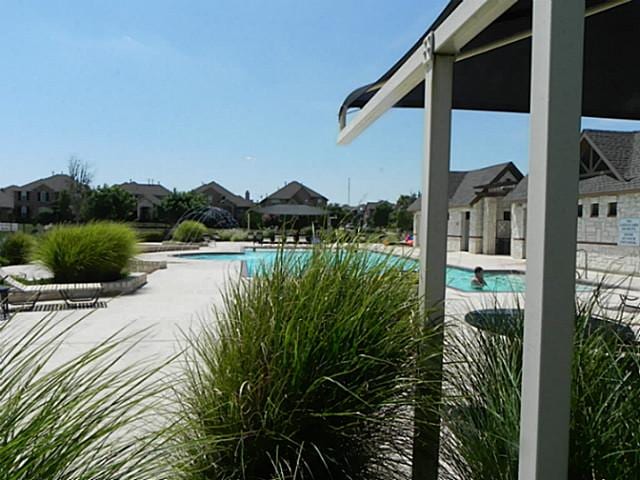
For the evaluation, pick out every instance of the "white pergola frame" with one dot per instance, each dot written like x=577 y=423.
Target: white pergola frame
x=556 y=101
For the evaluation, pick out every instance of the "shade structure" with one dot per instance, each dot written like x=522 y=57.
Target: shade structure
x=292 y=210
x=492 y=72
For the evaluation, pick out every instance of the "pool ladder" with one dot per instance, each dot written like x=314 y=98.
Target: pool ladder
x=585 y=269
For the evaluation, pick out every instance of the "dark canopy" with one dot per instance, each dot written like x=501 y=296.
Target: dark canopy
x=499 y=80
x=292 y=210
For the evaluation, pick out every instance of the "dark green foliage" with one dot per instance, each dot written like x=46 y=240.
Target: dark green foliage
x=483 y=411
x=381 y=216
x=62 y=208
x=96 y=252
x=308 y=372
x=17 y=248
x=401 y=218
x=110 y=203
x=176 y=204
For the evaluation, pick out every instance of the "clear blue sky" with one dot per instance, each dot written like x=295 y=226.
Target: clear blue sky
x=245 y=93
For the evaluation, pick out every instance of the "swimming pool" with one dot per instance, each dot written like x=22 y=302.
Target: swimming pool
x=457 y=278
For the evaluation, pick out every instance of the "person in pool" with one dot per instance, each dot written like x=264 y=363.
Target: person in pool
x=478 y=278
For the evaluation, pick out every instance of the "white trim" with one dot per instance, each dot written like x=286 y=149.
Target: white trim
x=410 y=74
x=433 y=241
x=464 y=23
x=556 y=101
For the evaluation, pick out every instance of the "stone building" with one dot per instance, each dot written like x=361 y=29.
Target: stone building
x=479 y=217
x=609 y=200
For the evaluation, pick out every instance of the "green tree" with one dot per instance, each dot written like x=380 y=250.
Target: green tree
x=109 y=203
x=340 y=215
x=81 y=175
x=62 y=208
x=176 y=204
x=402 y=218
x=382 y=215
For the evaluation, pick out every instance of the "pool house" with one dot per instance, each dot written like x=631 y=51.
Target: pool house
x=556 y=60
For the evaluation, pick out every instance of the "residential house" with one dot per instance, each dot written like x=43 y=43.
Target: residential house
x=295 y=193
x=148 y=198
x=38 y=197
x=218 y=196
x=609 y=202
x=479 y=218
x=367 y=210
x=6 y=205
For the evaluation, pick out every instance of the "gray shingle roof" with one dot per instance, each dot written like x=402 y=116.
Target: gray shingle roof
x=467 y=191
x=237 y=200
x=463 y=189
x=290 y=189
x=621 y=150
x=153 y=192
x=57 y=183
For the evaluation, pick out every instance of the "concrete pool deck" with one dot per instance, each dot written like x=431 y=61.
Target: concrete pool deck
x=178 y=298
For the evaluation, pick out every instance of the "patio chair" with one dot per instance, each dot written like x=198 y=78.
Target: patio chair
x=82 y=295
x=24 y=305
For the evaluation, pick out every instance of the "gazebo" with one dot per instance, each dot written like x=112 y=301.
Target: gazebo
x=557 y=60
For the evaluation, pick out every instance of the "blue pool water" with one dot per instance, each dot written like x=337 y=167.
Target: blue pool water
x=458 y=278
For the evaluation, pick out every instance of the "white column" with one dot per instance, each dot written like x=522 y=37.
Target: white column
x=433 y=237
x=556 y=96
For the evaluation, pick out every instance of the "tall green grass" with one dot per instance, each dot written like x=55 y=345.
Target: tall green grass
x=85 y=419
x=481 y=411
x=17 y=248
x=307 y=372
x=95 y=252
x=190 y=231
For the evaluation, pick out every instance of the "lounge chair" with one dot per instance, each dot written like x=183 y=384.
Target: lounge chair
x=25 y=305
x=75 y=295
x=81 y=295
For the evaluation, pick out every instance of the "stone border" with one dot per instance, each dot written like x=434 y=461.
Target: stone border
x=109 y=289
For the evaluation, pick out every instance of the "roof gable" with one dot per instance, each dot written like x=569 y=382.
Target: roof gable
x=475 y=182
x=57 y=182
x=290 y=189
x=237 y=200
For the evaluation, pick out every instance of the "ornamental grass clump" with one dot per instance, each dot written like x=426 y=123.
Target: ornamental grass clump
x=190 y=231
x=96 y=252
x=17 y=248
x=482 y=409
x=307 y=372
x=85 y=419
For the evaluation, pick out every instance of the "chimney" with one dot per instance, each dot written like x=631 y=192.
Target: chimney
x=247 y=195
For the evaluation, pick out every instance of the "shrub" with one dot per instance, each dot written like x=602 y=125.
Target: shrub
x=483 y=412
x=308 y=372
x=17 y=248
x=82 y=420
x=95 y=252
x=190 y=231
x=151 y=234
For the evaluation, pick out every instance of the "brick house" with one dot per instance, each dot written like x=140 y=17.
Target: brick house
x=295 y=193
x=218 y=196
x=6 y=205
x=148 y=198
x=39 y=196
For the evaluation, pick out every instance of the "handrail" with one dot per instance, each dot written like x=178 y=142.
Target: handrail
x=585 y=270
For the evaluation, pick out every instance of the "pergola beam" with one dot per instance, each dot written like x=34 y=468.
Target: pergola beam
x=465 y=22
